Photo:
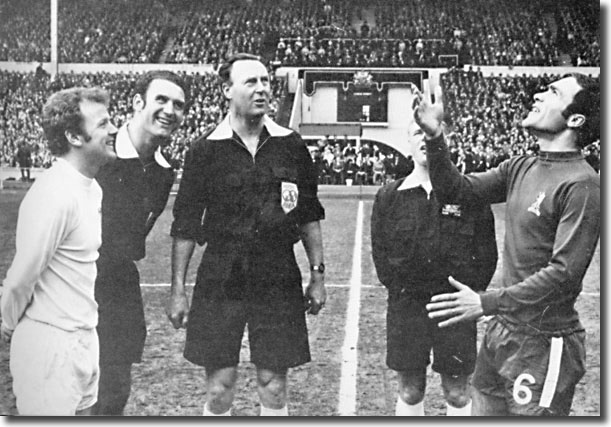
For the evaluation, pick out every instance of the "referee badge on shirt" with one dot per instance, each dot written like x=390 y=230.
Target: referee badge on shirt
x=451 y=210
x=289 y=194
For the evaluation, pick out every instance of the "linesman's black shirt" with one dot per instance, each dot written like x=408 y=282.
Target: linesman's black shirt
x=417 y=242
x=134 y=196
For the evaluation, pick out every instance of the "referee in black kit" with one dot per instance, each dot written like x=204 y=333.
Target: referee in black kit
x=257 y=184
x=136 y=188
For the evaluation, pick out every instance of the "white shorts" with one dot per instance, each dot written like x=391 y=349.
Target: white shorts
x=55 y=372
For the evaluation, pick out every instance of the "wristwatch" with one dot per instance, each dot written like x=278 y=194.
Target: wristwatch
x=320 y=268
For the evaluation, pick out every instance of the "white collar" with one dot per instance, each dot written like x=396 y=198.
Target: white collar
x=224 y=130
x=124 y=147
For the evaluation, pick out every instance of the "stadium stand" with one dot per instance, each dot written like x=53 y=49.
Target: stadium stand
x=337 y=33
x=484 y=112
x=303 y=32
x=24 y=31
x=118 y=31
x=24 y=94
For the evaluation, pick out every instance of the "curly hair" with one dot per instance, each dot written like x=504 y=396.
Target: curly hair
x=62 y=113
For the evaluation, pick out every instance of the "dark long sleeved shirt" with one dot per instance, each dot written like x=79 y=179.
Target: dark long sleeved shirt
x=552 y=230
x=247 y=199
x=134 y=197
x=417 y=242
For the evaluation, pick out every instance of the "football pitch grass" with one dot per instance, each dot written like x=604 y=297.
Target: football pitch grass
x=347 y=374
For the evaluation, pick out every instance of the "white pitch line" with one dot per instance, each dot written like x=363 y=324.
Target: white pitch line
x=347 y=384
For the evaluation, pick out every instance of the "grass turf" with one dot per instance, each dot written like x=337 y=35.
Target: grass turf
x=166 y=384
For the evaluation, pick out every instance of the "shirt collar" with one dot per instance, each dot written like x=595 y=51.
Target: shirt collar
x=224 y=130
x=560 y=155
x=124 y=147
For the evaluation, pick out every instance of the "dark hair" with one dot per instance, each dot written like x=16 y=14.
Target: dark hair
x=62 y=113
x=587 y=103
x=143 y=82
x=225 y=69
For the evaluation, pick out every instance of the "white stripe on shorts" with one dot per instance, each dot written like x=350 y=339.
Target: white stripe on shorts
x=553 y=371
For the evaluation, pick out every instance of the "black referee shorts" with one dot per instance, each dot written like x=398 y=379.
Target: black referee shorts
x=411 y=335
x=277 y=334
x=260 y=288
x=121 y=323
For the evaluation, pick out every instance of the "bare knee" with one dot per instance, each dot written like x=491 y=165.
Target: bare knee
x=217 y=390
x=412 y=387
x=455 y=390
x=411 y=395
x=457 y=398
x=272 y=388
x=220 y=388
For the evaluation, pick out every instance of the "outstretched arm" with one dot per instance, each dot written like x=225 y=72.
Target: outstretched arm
x=450 y=185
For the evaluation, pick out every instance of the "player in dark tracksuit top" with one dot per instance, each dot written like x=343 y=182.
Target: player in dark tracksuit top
x=136 y=187
x=417 y=242
x=533 y=352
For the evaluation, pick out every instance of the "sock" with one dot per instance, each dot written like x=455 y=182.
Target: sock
x=405 y=410
x=208 y=413
x=465 y=411
x=269 y=412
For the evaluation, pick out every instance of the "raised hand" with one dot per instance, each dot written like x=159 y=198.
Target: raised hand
x=428 y=114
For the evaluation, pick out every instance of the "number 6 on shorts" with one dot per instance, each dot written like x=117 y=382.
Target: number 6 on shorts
x=521 y=393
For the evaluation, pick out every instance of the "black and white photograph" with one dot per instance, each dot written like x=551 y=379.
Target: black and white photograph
x=301 y=208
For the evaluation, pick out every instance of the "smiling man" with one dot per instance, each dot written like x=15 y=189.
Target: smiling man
x=136 y=188
x=257 y=184
x=533 y=353
x=49 y=313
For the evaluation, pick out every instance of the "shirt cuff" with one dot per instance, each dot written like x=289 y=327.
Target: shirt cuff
x=436 y=144
x=490 y=302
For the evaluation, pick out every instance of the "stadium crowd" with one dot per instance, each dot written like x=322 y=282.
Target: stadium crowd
x=342 y=161
x=22 y=96
x=302 y=32
x=24 y=31
x=118 y=31
x=484 y=115
x=484 y=112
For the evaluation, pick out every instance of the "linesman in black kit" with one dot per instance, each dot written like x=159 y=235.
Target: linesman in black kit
x=417 y=242
x=136 y=187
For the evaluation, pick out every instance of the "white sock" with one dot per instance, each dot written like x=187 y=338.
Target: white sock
x=465 y=411
x=405 y=410
x=208 y=413
x=269 y=412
